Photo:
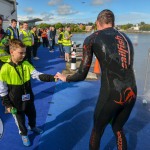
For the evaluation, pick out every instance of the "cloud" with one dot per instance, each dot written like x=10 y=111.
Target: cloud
x=99 y=2
x=65 y=10
x=29 y=10
x=54 y=2
x=47 y=16
x=133 y=18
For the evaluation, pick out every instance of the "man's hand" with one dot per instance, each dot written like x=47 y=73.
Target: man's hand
x=60 y=76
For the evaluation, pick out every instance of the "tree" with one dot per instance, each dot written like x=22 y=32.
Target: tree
x=142 y=23
x=127 y=26
x=145 y=27
x=83 y=27
x=43 y=25
x=90 y=23
x=58 y=25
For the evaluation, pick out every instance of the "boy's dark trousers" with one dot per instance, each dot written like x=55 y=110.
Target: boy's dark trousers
x=30 y=112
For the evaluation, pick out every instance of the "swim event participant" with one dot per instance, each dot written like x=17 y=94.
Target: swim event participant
x=118 y=91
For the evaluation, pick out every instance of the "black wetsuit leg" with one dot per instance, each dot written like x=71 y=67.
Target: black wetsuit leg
x=118 y=122
x=106 y=111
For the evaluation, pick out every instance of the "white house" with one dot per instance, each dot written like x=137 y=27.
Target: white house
x=136 y=27
x=8 y=11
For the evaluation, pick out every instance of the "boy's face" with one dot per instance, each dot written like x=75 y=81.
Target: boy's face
x=18 y=54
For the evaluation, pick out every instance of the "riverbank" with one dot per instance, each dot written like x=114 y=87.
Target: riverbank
x=126 y=31
x=133 y=31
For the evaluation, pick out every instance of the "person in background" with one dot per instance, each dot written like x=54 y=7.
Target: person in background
x=4 y=39
x=28 y=40
x=51 y=38
x=12 y=31
x=16 y=91
x=67 y=43
x=44 y=38
x=60 y=41
x=36 y=42
x=118 y=92
x=20 y=27
x=39 y=32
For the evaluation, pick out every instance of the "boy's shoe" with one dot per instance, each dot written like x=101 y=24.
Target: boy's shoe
x=25 y=140
x=36 y=130
x=51 y=51
x=36 y=58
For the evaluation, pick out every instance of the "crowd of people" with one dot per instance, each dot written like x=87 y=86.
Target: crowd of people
x=115 y=54
x=64 y=35
x=35 y=37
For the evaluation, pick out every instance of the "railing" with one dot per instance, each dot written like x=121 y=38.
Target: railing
x=146 y=91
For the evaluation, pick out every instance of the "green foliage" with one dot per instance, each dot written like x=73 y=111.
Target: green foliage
x=142 y=23
x=83 y=28
x=58 y=25
x=90 y=24
x=126 y=26
x=145 y=27
x=76 y=27
x=43 y=25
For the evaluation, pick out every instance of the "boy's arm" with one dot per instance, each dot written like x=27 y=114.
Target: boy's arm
x=42 y=77
x=4 y=94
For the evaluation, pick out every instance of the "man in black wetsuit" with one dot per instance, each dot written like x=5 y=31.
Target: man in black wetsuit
x=118 y=90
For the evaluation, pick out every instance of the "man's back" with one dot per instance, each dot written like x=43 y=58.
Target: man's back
x=114 y=51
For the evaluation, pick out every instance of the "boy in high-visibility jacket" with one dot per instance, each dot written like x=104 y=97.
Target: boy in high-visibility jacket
x=16 y=91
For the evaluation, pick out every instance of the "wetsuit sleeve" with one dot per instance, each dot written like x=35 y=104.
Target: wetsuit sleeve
x=85 y=63
x=42 y=77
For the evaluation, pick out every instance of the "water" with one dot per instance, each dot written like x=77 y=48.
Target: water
x=141 y=46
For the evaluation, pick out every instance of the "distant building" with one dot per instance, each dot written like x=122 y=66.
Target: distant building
x=8 y=11
x=88 y=28
x=81 y=26
x=136 y=27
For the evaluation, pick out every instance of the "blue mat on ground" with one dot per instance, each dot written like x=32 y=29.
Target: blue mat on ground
x=70 y=125
x=65 y=113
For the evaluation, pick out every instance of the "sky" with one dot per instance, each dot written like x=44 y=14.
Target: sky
x=83 y=11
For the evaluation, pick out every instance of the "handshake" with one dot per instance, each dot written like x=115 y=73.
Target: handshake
x=60 y=76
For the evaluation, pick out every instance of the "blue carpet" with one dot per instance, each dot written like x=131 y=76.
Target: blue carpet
x=65 y=113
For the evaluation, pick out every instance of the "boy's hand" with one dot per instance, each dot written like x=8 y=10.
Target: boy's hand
x=7 y=110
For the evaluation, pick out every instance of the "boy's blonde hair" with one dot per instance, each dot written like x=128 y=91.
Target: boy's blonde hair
x=15 y=43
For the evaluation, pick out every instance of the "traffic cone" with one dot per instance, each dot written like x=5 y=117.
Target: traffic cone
x=96 y=67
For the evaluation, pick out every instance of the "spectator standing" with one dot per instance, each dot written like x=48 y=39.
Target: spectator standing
x=67 y=43
x=60 y=41
x=51 y=37
x=28 y=40
x=12 y=31
x=44 y=38
x=36 y=42
x=4 y=55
